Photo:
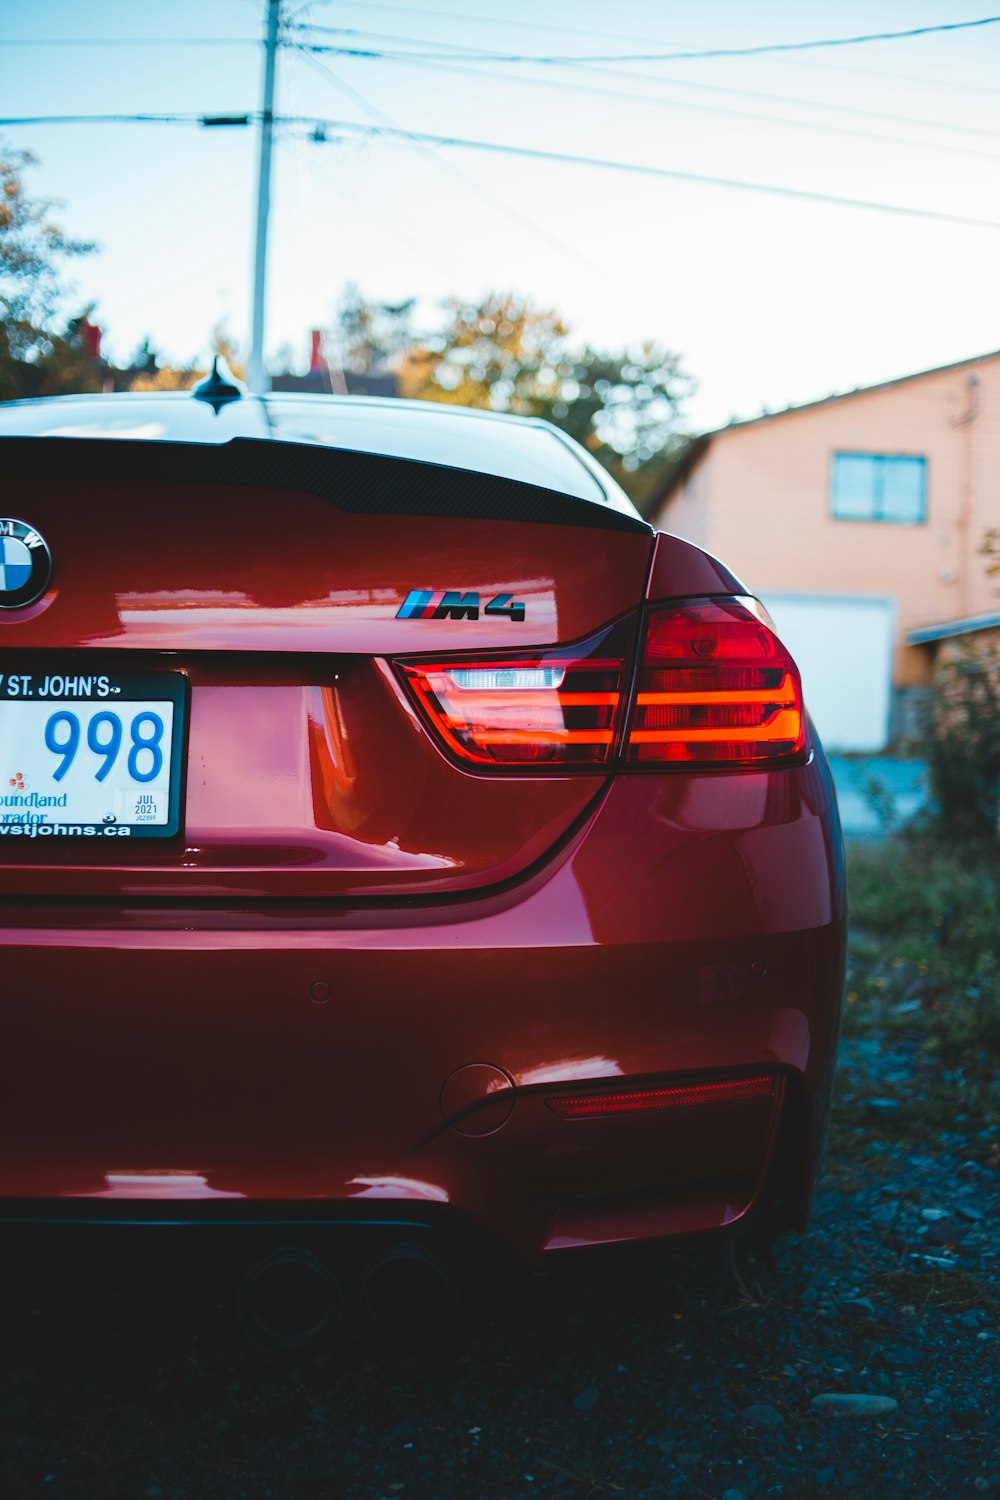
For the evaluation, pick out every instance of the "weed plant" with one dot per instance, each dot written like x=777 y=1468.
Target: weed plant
x=923 y=985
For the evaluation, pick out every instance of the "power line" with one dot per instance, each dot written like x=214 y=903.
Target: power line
x=164 y=119
x=842 y=69
x=756 y=51
x=470 y=183
x=504 y=21
x=485 y=19
x=391 y=227
x=549 y=26
x=129 y=41
x=453 y=61
x=470 y=70
x=535 y=153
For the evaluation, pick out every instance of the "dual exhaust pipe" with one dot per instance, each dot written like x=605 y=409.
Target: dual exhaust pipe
x=291 y=1301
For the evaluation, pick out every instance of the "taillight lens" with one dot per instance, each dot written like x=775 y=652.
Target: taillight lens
x=715 y=688
x=532 y=709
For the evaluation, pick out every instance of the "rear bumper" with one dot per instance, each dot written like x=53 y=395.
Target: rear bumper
x=182 y=1063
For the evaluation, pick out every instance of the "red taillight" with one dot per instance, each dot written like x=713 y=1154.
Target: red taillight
x=532 y=709
x=639 y=1101
x=716 y=687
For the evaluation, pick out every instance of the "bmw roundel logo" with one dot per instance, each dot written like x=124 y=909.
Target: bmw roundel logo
x=25 y=564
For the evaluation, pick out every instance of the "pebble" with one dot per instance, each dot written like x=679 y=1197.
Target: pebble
x=762 y=1415
x=885 y=1213
x=933 y=1214
x=588 y=1399
x=841 y=1404
x=884 y=1106
x=944 y=1231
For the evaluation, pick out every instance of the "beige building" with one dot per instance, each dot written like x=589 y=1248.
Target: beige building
x=858 y=521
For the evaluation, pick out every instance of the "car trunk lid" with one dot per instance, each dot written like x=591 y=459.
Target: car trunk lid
x=273 y=578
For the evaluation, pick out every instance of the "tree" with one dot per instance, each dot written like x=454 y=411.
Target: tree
x=499 y=354
x=367 y=337
x=32 y=249
x=502 y=354
x=963 y=743
x=65 y=363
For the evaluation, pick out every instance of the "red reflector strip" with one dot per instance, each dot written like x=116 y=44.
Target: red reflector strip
x=592 y=1106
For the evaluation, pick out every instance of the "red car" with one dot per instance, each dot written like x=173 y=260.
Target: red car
x=395 y=833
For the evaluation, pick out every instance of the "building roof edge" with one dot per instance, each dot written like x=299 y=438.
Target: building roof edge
x=951 y=628
x=697 y=446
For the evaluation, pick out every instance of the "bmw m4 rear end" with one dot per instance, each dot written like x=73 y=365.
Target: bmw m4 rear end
x=395 y=830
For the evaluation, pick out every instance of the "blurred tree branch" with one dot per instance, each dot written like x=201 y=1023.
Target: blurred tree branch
x=32 y=249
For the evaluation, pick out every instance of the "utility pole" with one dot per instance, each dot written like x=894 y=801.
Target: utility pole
x=256 y=374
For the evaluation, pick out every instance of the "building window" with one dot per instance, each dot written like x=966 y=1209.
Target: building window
x=878 y=487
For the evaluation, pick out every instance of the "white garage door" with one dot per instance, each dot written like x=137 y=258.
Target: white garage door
x=843 y=645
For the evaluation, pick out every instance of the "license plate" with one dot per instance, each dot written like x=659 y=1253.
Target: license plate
x=87 y=755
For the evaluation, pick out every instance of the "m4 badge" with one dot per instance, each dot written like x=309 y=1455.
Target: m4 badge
x=456 y=604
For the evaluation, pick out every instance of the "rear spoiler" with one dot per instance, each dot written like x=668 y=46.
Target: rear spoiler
x=372 y=483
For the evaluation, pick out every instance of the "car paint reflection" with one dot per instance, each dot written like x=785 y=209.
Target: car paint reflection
x=158 y=1185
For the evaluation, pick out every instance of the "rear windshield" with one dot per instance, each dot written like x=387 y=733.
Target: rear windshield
x=511 y=450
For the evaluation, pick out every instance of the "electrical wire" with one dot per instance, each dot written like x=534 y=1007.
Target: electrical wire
x=755 y=51
x=682 y=83
x=659 y=100
x=533 y=153
x=130 y=41
x=616 y=36
x=481 y=19
x=394 y=231
x=487 y=20
x=471 y=184
x=165 y=119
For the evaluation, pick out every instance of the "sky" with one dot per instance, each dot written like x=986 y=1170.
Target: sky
x=770 y=299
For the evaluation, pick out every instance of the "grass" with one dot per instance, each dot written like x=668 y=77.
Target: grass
x=922 y=1018
x=924 y=959
x=932 y=1286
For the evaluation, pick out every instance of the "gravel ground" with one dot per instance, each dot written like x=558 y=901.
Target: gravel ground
x=697 y=1372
